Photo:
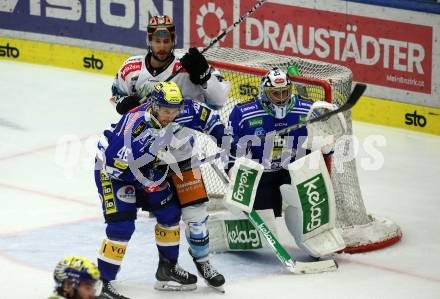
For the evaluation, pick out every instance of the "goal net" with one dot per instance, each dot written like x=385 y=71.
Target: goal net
x=319 y=81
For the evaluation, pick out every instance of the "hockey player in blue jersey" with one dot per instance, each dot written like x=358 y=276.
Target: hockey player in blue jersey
x=275 y=109
x=129 y=175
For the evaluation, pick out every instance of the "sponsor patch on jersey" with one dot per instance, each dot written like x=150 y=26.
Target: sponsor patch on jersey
x=204 y=115
x=120 y=164
x=250 y=107
x=126 y=194
x=255 y=122
x=107 y=191
x=259 y=132
x=129 y=68
x=139 y=129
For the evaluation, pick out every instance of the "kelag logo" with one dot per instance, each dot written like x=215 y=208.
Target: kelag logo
x=92 y=62
x=414 y=119
x=9 y=51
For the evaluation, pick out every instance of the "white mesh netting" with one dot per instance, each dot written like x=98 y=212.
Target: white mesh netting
x=243 y=68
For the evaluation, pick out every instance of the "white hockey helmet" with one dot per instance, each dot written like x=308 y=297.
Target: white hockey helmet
x=276 y=93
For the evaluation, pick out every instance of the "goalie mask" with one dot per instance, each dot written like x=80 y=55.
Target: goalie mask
x=276 y=93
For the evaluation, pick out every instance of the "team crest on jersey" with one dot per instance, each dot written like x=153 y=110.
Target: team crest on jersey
x=259 y=132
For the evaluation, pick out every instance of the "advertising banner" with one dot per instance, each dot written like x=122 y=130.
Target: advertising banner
x=387 y=53
x=121 y=22
x=395 y=51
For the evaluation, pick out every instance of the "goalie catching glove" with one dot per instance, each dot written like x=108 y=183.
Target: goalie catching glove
x=196 y=65
x=323 y=134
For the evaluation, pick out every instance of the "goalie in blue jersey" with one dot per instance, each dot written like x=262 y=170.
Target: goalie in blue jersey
x=260 y=128
x=131 y=173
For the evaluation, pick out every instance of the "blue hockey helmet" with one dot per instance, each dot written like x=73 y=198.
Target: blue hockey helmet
x=276 y=93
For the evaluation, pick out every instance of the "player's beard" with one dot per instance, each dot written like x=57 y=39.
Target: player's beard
x=161 y=56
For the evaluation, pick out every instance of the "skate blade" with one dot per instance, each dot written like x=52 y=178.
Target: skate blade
x=219 y=289
x=173 y=286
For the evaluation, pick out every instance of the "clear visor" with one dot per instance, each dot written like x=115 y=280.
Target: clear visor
x=278 y=96
x=166 y=112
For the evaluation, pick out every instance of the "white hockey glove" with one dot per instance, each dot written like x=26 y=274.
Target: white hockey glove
x=323 y=134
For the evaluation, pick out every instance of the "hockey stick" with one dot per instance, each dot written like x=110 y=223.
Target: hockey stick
x=223 y=34
x=353 y=98
x=283 y=256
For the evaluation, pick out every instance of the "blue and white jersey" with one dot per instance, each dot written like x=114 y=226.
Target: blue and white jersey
x=251 y=120
x=138 y=141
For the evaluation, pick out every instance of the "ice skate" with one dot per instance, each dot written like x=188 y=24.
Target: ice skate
x=211 y=276
x=109 y=292
x=171 y=277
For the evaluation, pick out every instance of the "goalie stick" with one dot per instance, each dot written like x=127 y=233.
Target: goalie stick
x=353 y=98
x=289 y=263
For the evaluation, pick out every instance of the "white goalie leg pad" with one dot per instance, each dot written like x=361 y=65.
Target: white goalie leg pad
x=228 y=232
x=195 y=218
x=242 y=188
x=310 y=215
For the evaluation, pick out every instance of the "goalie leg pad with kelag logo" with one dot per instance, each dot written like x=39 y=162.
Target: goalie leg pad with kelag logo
x=229 y=232
x=311 y=208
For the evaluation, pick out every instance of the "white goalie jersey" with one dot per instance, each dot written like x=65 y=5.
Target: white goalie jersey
x=133 y=78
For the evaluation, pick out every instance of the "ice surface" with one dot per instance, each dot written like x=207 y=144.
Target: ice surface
x=49 y=121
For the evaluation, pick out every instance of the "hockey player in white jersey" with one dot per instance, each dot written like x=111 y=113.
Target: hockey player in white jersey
x=138 y=75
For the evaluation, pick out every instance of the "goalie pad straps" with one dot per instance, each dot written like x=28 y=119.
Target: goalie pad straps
x=311 y=209
x=323 y=134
